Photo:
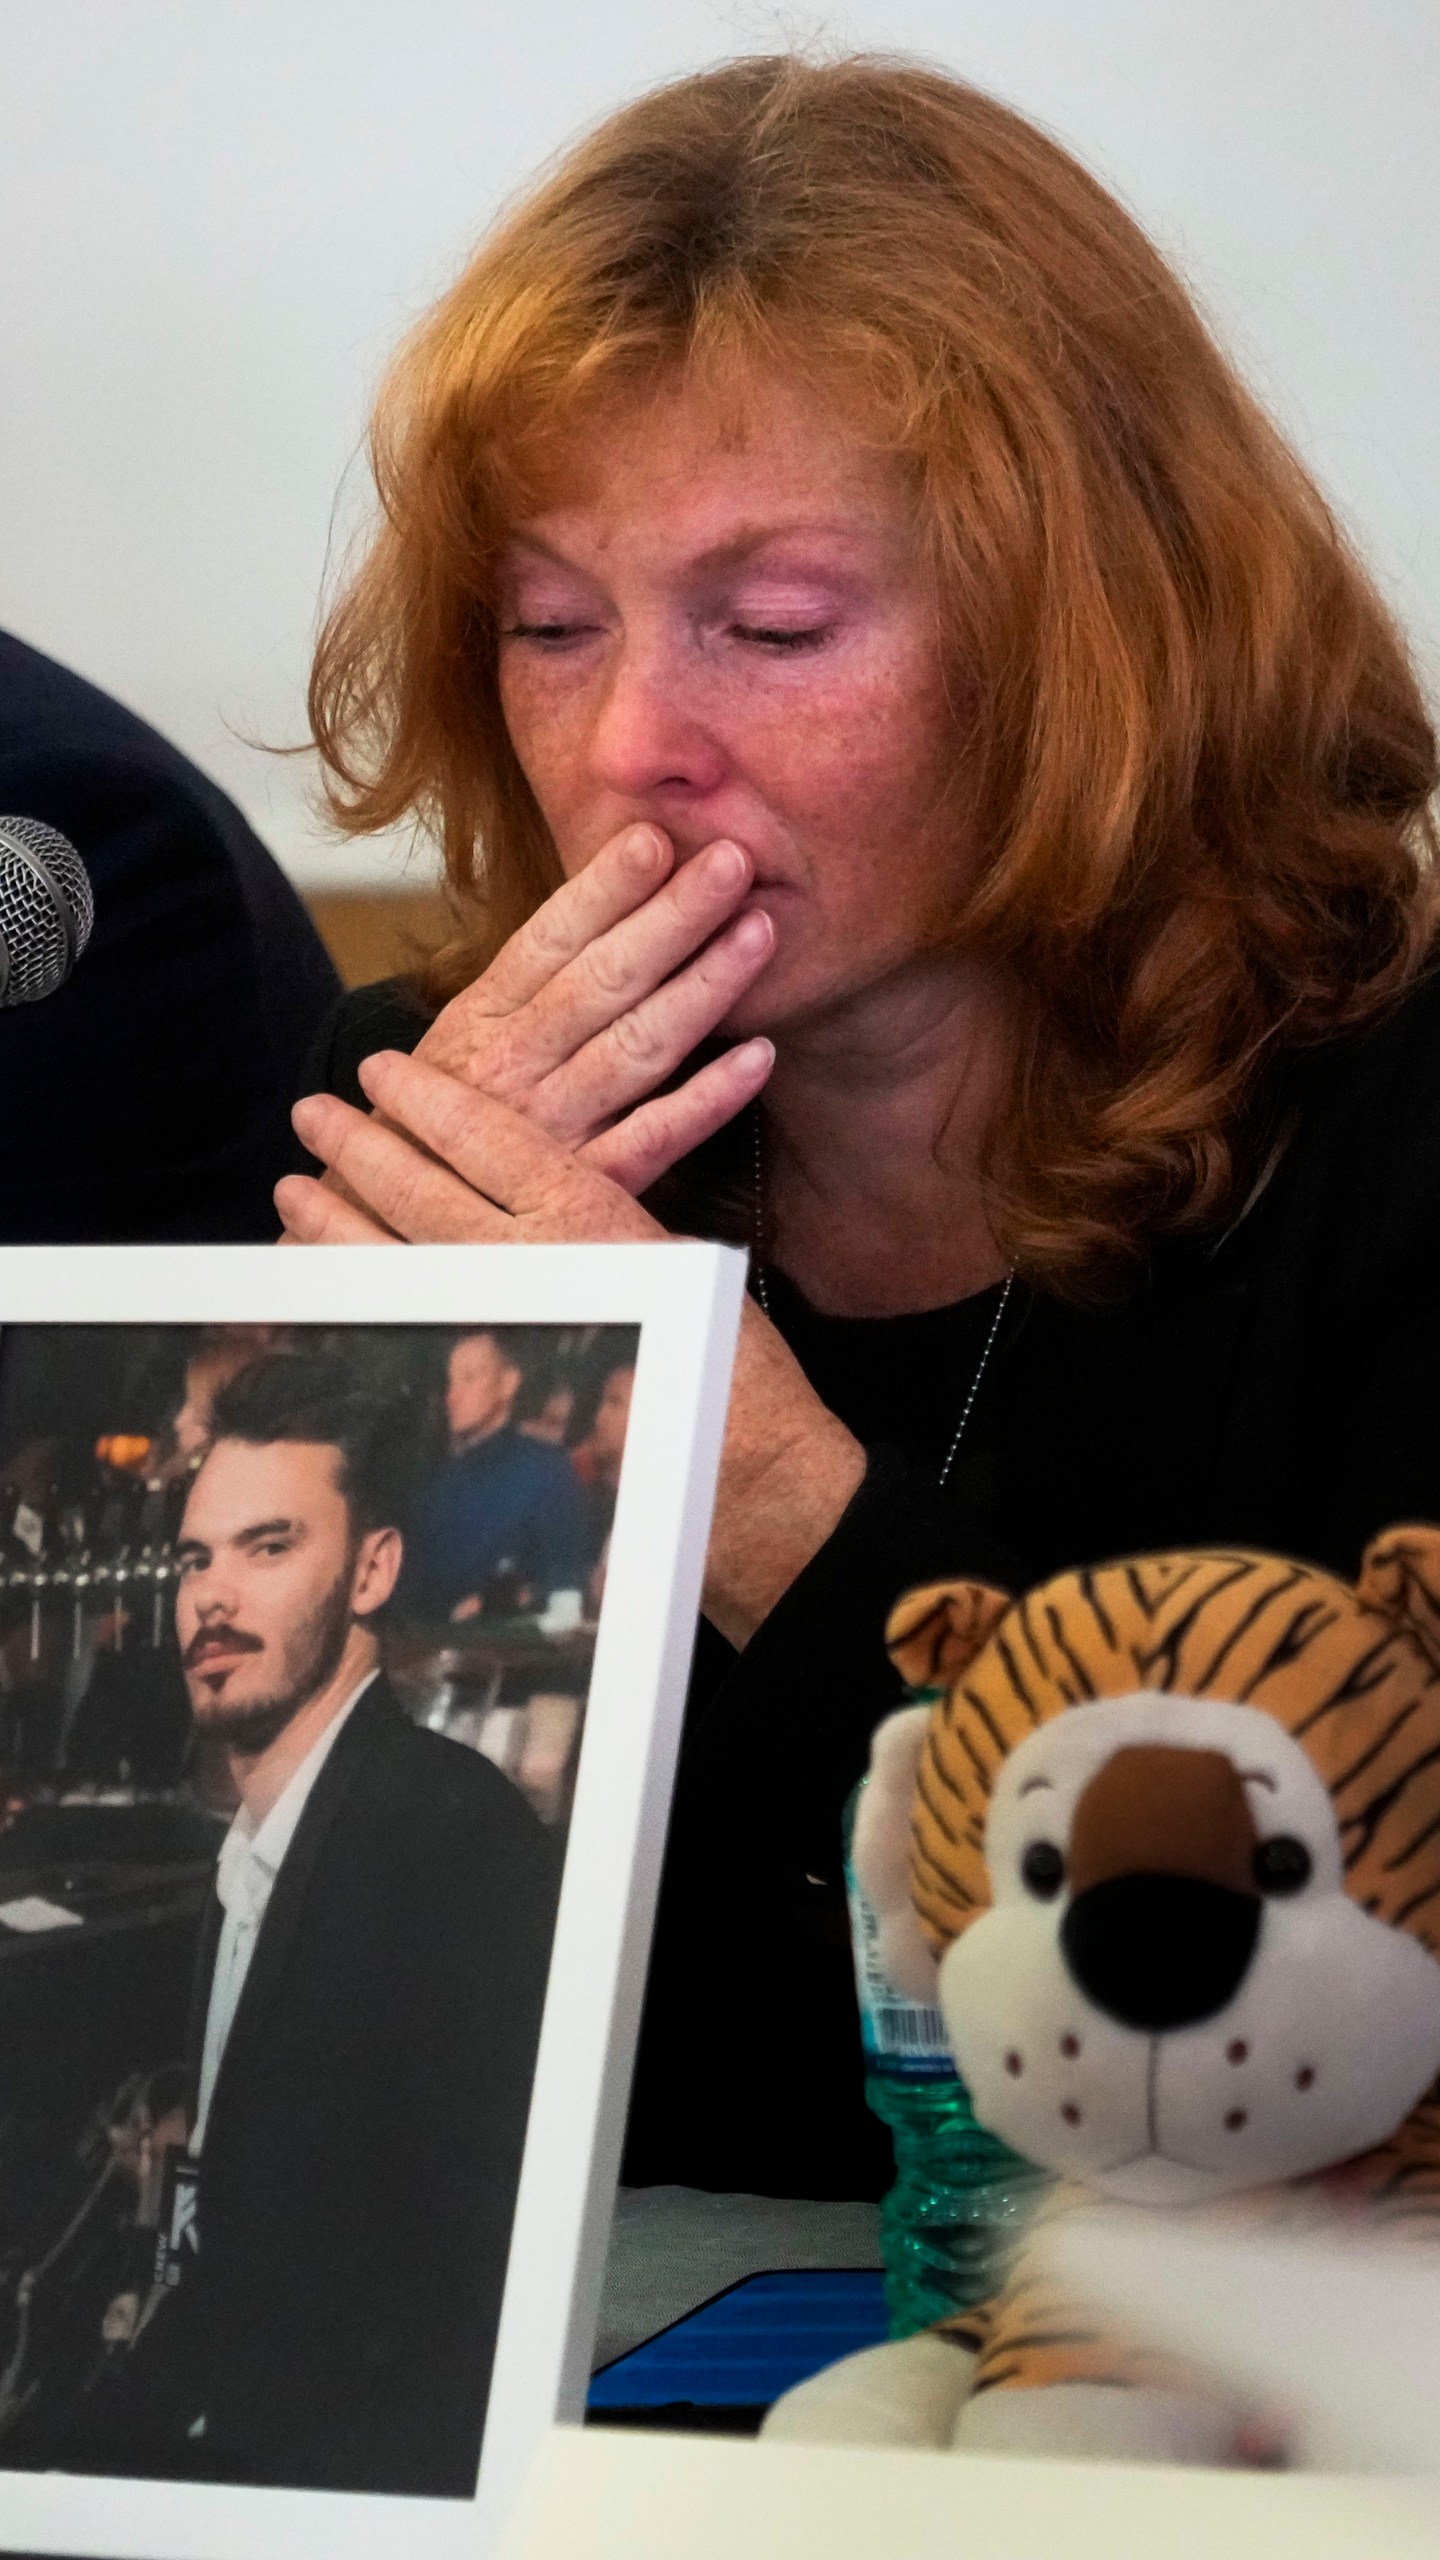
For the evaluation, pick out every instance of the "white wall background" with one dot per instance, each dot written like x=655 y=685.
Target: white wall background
x=217 y=215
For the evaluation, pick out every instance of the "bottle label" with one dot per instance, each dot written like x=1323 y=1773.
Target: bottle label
x=902 y=2037
x=901 y=2030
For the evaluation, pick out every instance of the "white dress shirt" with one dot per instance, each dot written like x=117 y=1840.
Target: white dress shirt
x=251 y=1857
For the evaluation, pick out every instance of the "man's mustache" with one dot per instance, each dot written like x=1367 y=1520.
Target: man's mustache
x=220 y=1640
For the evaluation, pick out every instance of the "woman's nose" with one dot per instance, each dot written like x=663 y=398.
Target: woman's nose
x=649 y=735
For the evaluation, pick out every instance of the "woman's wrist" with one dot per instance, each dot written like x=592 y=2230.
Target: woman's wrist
x=790 y=1470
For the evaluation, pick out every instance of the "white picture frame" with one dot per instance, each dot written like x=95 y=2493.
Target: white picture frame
x=686 y=1300
x=605 y=2493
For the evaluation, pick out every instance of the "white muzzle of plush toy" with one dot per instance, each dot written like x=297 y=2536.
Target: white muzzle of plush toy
x=1173 y=1996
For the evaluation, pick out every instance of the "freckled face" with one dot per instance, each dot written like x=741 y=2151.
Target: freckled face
x=733 y=634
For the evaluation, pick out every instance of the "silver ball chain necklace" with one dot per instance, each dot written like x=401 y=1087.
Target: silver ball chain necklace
x=762 y=1291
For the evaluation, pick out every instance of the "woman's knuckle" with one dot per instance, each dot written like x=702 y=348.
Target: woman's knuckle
x=638 y=1040
x=499 y=1062
x=607 y=968
x=402 y=1189
x=549 y=936
x=455 y=1115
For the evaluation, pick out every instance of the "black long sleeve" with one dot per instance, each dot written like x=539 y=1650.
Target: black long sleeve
x=1275 y=1387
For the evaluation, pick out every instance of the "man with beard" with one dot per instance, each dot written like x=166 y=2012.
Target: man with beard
x=369 y=1989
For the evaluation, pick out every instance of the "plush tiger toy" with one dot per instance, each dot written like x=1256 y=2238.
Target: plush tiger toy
x=1171 y=1831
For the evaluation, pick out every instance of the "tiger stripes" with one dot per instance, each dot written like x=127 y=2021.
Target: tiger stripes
x=1033 y=2334
x=1351 y=1671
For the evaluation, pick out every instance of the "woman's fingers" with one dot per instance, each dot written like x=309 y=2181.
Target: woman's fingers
x=509 y=1051
x=624 y=1063
x=397 y=1182
x=316 y=1213
x=509 y=1180
x=647 y=1142
x=624 y=874
x=609 y=980
x=621 y=968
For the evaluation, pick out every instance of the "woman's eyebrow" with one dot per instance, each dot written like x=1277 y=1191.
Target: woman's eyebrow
x=738 y=549
x=539 y=549
x=735 y=550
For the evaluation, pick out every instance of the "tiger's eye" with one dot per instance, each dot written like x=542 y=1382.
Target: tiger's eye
x=1282 y=1865
x=1042 y=1870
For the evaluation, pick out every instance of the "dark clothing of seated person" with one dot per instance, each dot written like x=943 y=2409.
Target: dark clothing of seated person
x=367 y=2001
x=1085 y=895
x=500 y=1525
x=150 y=1094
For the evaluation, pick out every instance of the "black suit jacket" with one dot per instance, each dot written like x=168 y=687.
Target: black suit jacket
x=364 y=2140
x=147 y=1101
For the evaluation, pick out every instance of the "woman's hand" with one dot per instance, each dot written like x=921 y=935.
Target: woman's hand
x=439 y=1163
x=611 y=985
x=482 y=1172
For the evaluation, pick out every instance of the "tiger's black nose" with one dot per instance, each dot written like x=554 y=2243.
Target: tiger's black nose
x=1159 y=1951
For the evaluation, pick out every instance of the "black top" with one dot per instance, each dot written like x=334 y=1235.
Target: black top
x=1278 y=1386
x=358 y=2177
x=147 y=1101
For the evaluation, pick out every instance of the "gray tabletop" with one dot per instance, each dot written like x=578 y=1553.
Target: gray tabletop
x=672 y=2247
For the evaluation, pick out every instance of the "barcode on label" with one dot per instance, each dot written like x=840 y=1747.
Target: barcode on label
x=908 y=2029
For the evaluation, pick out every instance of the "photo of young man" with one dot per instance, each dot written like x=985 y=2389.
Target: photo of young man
x=367 y=1997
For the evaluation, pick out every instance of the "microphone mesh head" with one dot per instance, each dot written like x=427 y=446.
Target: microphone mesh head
x=46 y=909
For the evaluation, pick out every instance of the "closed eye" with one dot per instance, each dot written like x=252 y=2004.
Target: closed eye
x=550 y=635
x=1259 y=1778
x=774 y=636
x=1032 y=1783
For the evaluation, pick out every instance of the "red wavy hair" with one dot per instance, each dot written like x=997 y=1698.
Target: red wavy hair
x=1199 y=755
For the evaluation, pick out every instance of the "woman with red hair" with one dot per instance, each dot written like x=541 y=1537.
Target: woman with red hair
x=927 y=792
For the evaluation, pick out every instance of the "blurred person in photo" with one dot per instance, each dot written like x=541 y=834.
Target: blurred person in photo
x=597 y=1460
x=500 y=1525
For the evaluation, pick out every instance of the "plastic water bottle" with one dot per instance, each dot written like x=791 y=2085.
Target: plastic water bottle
x=961 y=2198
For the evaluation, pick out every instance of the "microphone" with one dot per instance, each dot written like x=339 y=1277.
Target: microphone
x=47 y=908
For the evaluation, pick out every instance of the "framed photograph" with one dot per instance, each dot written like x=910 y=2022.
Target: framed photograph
x=346 y=1609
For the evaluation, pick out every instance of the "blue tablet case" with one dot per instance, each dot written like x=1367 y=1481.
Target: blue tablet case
x=745 y=2346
